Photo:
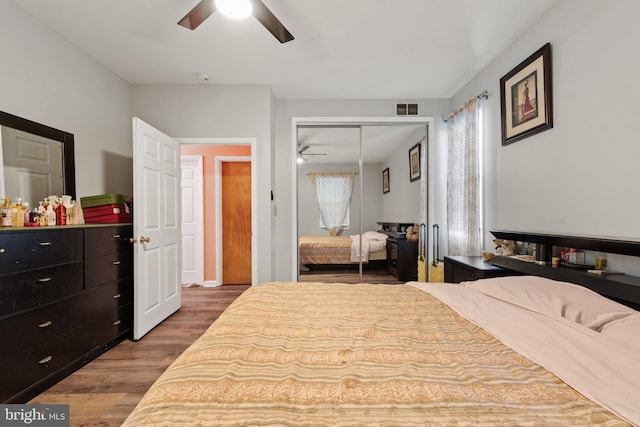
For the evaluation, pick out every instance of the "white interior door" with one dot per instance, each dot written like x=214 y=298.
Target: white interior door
x=192 y=228
x=156 y=226
x=32 y=165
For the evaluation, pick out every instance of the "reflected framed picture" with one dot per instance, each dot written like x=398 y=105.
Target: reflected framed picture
x=385 y=181
x=414 y=163
x=526 y=98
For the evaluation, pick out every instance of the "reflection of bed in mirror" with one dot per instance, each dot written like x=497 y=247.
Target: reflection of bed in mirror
x=364 y=150
x=343 y=250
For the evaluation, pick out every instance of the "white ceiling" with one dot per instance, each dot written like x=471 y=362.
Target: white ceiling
x=343 y=144
x=386 y=49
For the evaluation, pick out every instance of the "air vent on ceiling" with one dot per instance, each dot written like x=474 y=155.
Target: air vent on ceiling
x=406 y=109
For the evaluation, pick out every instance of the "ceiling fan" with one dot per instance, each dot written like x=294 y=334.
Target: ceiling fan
x=302 y=154
x=205 y=8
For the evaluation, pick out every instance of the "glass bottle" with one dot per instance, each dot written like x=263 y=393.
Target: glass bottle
x=17 y=213
x=601 y=261
x=61 y=213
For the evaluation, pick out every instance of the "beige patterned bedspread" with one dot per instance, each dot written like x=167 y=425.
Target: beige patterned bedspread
x=325 y=250
x=315 y=354
x=332 y=250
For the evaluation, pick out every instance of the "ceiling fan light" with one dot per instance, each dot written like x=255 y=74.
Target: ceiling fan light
x=236 y=9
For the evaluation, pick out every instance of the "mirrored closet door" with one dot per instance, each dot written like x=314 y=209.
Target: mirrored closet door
x=363 y=172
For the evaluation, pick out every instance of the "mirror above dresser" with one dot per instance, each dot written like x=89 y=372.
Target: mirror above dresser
x=36 y=160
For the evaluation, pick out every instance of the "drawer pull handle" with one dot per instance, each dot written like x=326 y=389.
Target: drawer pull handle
x=116 y=236
x=116 y=296
x=117 y=322
x=116 y=262
x=44 y=280
x=45 y=360
x=1 y=250
x=44 y=244
x=45 y=324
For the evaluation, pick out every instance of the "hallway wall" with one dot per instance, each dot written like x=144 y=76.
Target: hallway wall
x=209 y=153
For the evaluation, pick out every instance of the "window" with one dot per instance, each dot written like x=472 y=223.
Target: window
x=464 y=180
x=345 y=223
x=333 y=193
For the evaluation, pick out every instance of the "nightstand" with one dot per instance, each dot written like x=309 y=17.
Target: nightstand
x=466 y=268
x=402 y=254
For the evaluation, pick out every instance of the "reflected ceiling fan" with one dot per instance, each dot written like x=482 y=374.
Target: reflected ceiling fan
x=302 y=154
x=205 y=8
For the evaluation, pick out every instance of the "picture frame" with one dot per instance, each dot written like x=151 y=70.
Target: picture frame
x=386 y=187
x=415 y=170
x=526 y=97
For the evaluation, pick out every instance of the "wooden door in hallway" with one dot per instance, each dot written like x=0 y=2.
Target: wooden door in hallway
x=236 y=223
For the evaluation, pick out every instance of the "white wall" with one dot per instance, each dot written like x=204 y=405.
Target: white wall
x=286 y=110
x=46 y=79
x=402 y=202
x=211 y=111
x=581 y=176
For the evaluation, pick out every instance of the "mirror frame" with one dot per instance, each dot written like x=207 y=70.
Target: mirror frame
x=68 y=154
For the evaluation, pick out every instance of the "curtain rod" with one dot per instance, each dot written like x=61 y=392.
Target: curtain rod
x=483 y=95
x=310 y=173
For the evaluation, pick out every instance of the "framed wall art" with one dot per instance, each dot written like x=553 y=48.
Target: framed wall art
x=385 y=181
x=414 y=163
x=525 y=97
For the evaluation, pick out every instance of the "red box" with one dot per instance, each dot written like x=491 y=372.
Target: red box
x=107 y=214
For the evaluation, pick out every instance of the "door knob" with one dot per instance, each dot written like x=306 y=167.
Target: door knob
x=144 y=239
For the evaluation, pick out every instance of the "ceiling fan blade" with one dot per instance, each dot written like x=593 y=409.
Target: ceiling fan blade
x=198 y=14
x=303 y=149
x=270 y=22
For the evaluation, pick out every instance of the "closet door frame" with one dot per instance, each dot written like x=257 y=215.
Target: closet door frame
x=346 y=121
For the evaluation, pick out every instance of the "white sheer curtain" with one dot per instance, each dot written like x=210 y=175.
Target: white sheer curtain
x=333 y=193
x=464 y=183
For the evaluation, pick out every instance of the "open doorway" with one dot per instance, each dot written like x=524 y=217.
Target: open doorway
x=212 y=150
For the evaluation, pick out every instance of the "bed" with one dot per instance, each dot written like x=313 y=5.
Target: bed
x=513 y=351
x=323 y=250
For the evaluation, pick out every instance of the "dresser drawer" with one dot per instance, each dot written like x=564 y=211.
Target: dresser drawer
x=113 y=324
x=20 y=251
x=392 y=250
x=44 y=323
x=33 y=327
x=108 y=268
x=105 y=299
x=22 y=291
x=26 y=368
x=102 y=241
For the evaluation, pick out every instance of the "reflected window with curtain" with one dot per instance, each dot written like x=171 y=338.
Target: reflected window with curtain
x=333 y=194
x=464 y=179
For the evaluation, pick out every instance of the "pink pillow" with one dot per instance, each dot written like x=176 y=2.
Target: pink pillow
x=625 y=330
x=554 y=298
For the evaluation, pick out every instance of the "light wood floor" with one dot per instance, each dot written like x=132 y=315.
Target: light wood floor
x=105 y=391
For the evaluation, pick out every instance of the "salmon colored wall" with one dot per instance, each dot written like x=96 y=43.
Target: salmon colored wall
x=209 y=154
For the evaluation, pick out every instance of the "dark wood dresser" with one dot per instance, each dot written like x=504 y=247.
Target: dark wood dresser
x=66 y=296
x=402 y=254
